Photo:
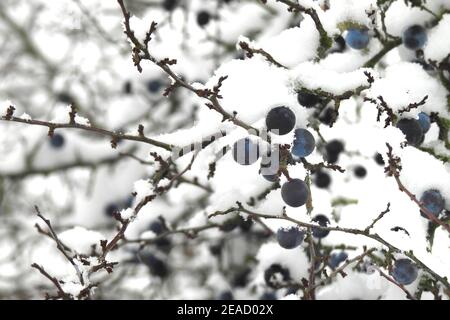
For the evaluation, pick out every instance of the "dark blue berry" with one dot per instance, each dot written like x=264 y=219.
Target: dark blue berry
x=245 y=224
x=163 y=243
x=240 y=279
x=230 y=224
x=334 y=146
x=337 y=258
x=280 y=120
x=203 y=18
x=127 y=88
x=433 y=201
x=269 y=295
x=379 y=159
x=156 y=266
x=328 y=116
x=245 y=151
x=322 y=179
x=333 y=150
x=225 y=295
x=304 y=143
x=424 y=121
x=412 y=130
x=360 y=171
x=307 y=99
x=322 y=221
x=57 y=141
x=415 y=37
x=158 y=227
x=111 y=209
x=65 y=97
x=357 y=38
x=295 y=193
x=216 y=249
x=338 y=45
x=404 y=271
x=292 y=289
x=169 y=5
x=154 y=86
x=276 y=275
x=290 y=238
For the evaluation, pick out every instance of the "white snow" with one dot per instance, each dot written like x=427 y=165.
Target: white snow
x=406 y=83
x=142 y=188
x=438 y=40
x=25 y=116
x=80 y=239
x=127 y=213
x=313 y=76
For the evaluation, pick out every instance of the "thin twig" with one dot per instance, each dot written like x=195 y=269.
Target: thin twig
x=393 y=169
x=343 y=267
x=61 y=293
x=189 y=232
x=312 y=274
x=115 y=135
x=61 y=247
x=408 y=294
x=378 y=218
x=251 y=51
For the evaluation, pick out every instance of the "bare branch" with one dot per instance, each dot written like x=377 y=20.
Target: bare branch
x=251 y=51
x=61 y=293
x=381 y=215
x=393 y=169
x=61 y=246
x=114 y=135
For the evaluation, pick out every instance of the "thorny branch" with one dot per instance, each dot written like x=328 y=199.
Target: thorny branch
x=61 y=293
x=382 y=107
x=188 y=232
x=364 y=233
x=393 y=169
x=316 y=167
x=108 y=246
x=141 y=52
x=413 y=105
x=310 y=290
x=251 y=51
x=341 y=269
x=61 y=247
x=63 y=167
x=379 y=217
x=52 y=126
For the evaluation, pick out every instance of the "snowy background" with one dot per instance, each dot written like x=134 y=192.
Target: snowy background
x=75 y=52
